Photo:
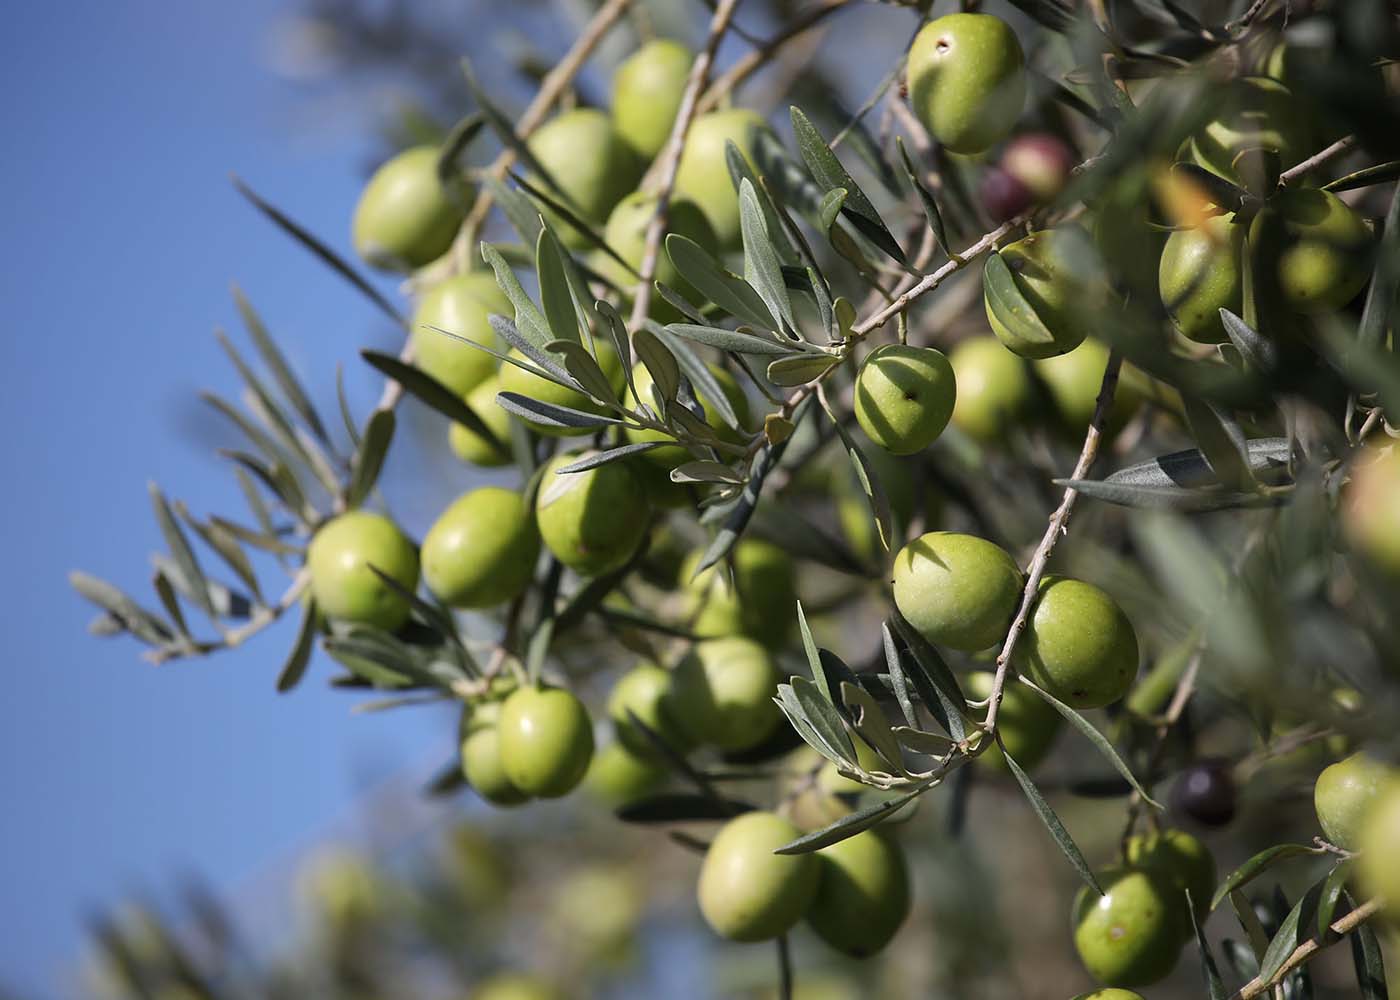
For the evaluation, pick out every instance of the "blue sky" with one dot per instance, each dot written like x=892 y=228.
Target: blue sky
x=120 y=236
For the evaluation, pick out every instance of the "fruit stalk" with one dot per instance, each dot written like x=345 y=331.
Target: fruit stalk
x=1053 y=531
x=671 y=157
x=1338 y=148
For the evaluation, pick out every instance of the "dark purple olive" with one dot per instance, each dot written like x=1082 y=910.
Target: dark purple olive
x=1003 y=196
x=1040 y=161
x=1206 y=793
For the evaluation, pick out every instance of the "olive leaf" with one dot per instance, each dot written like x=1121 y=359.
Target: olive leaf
x=762 y=267
x=800 y=369
x=825 y=720
x=1051 y=821
x=937 y=687
x=1256 y=866
x=429 y=391
x=181 y=551
x=872 y=724
x=276 y=362
x=898 y=682
x=704 y=381
x=551 y=414
x=1215 y=986
x=875 y=496
x=1221 y=442
x=1368 y=961
x=294 y=668
x=931 y=212
x=851 y=824
x=731 y=293
x=135 y=619
x=556 y=298
x=1293 y=931
x=732 y=340
x=1007 y=304
x=594 y=459
x=788 y=703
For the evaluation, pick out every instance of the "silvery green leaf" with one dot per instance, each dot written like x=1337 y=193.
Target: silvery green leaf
x=567 y=215
x=920 y=741
x=801 y=369
x=732 y=340
x=584 y=370
x=429 y=391
x=550 y=414
x=1009 y=306
x=540 y=361
x=260 y=441
x=895 y=668
x=728 y=291
x=814 y=663
x=369 y=459
x=528 y=319
x=351 y=431
x=1189 y=468
x=556 y=299
x=594 y=459
x=875 y=495
x=660 y=363
x=872 y=724
x=825 y=720
x=703 y=471
x=791 y=708
x=763 y=268
x=1256 y=349
x=1221 y=441
x=160 y=583
x=505 y=131
x=277 y=479
x=276 y=362
x=181 y=551
x=321 y=250
x=851 y=824
x=931 y=212
x=739 y=171
x=704 y=381
x=1329 y=897
x=264 y=541
x=524 y=218
x=1167 y=498
x=226 y=602
x=938 y=688
x=1051 y=821
x=225 y=546
x=137 y=620
x=617 y=334
x=300 y=655
x=1256 y=866
x=1293 y=931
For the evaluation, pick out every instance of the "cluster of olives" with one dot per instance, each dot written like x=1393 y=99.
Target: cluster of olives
x=1358 y=807
x=854 y=893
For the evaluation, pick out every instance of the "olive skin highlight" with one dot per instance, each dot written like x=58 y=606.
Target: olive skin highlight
x=481 y=551
x=546 y=741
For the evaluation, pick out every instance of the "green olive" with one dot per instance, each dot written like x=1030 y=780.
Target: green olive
x=405 y=217
x=1178 y=858
x=1027 y=723
x=516 y=986
x=1078 y=644
x=748 y=893
x=593 y=520
x=1074 y=381
x=626 y=234
x=759 y=601
x=481 y=550
x=722 y=694
x=994 y=389
x=460 y=305
x=345 y=588
x=958 y=590
x=896 y=477
x=481 y=756
x=1058 y=275
x=703 y=174
x=1200 y=274
x=1313 y=249
x=1343 y=795
x=618 y=777
x=646 y=94
x=967 y=80
x=470 y=446
x=1378 y=868
x=342 y=886
x=1133 y=934
x=645 y=691
x=526 y=383
x=1371 y=507
x=1110 y=994
x=863 y=894
x=904 y=397
x=546 y=741
x=669 y=457
x=590 y=162
x=1252 y=113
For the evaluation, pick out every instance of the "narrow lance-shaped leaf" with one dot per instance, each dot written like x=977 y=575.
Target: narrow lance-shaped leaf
x=875 y=497
x=519 y=211
x=1221 y=442
x=787 y=702
x=872 y=724
x=180 y=551
x=1366 y=956
x=732 y=340
x=898 y=682
x=369 y=460
x=138 y=621
x=429 y=391
x=166 y=593
x=1167 y=498
x=1256 y=866
x=763 y=268
x=937 y=686
x=550 y=414
x=458 y=139
x=1293 y=931
x=276 y=362
x=1098 y=739
x=1215 y=986
x=851 y=824
x=594 y=459
x=700 y=376
x=814 y=663
x=528 y=318
x=715 y=284
x=556 y=299
x=1256 y=349
x=505 y=131
x=1385 y=280
x=300 y=655
x=225 y=545
x=1329 y=897
x=824 y=718
x=931 y=212
x=1052 y=822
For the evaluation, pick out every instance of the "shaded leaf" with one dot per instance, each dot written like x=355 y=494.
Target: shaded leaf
x=294 y=668
x=1221 y=441
x=369 y=459
x=931 y=212
x=1292 y=932
x=594 y=459
x=715 y=284
x=429 y=391
x=1215 y=986
x=549 y=414
x=1256 y=349
x=898 y=682
x=937 y=687
x=850 y=824
x=763 y=270
x=823 y=717
x=1367 y=959
x=798 y=370
x=1256 y=866
x=1172 y=498
x=1051 y=821
x=871 y=723
x=277 y=363
x=1006 y=303
x=180 y=551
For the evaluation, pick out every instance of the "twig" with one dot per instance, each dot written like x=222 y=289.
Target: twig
x=753 y=61
x=1338 y=148
x=1305 y=951
x=671 y=157
x=1247 y=18
x=1053 y=531
x=551 y=89
x=260 y=620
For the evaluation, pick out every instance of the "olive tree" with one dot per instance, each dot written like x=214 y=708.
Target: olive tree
x=851 y=457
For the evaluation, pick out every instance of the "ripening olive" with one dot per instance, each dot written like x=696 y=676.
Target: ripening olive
x=1058 y=277
x=481 y=550
x=470 y=446
x=481 y=756
x=345 y=588
x=646 y=94
x=957 y=590
x=1003 y=195
x=993 y=388
x=904 y=397
x=703 y=174
x=516 y=986
x=669 y=457
x=754 y=593
x=1312 y=249
x=460 y=305
x=748 y=893
x=590 y=162
x=618 y=777
x=1178 y=858
x=967 y=80
x=592 y=520
x=1378 y=841
x=1074 y=381
x=546 y=741
x=1078 y=644
x=863 y=893
x=722 y=694
x=645 y=691
x=1344 y=793
x=1133 y=934
x=1200 y=274
x=1252 y=113
x=626 y=234
x=1206 y=792
x=405 y=217
x=1040 y=161
x=1027 y=723
x=1371 y=507
x=526 y=383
